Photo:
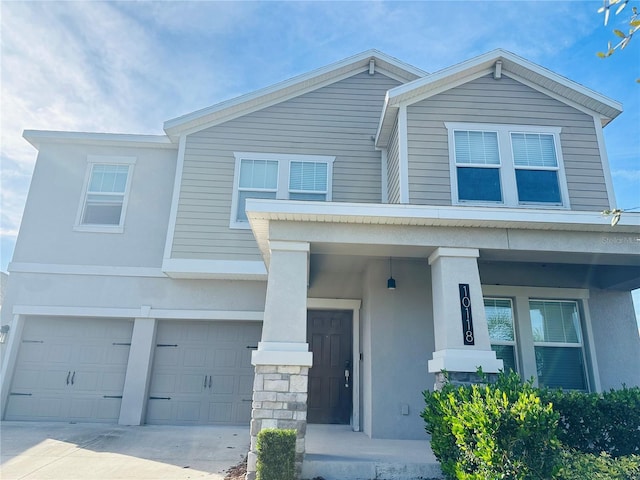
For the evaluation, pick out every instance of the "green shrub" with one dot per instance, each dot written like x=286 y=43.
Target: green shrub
x=594 y=423
x=587 y=466
x=494 y=431
x=276 y=454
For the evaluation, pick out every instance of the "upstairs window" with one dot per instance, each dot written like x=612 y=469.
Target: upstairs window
x=506 y=165
x=478 y=166
x=105 y=195
x=536 y=166
x=279 y=176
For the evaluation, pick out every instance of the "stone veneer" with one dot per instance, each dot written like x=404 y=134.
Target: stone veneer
x=463 y=378
x=279 y=401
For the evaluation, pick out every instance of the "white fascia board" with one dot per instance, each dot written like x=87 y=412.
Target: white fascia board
x=260 y=211
x=423 y=87
x=215 y=269
x=89 y=270
x=282 y=91
x=38 y=137
x=142 y=312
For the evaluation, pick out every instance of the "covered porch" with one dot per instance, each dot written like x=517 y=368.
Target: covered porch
x=445 y=261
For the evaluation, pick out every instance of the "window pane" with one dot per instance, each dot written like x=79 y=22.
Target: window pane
x=540 y=186
x=533 y=150
x=259 y=174
x=499 y=318
x=308 y=176
x=476 y=147
x=320 y=197
x=242 y=199
x=102 y=213
x=553 y=321
x=482 y=184
x=560 y=368
x=506 y=353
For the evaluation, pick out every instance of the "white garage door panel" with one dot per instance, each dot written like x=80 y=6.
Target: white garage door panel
x=70 y=370
x=202 y=373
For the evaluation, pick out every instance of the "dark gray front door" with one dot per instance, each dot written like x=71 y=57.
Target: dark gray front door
x=329 y=333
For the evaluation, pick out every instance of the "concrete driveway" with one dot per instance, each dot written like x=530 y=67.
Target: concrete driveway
x=65 y=451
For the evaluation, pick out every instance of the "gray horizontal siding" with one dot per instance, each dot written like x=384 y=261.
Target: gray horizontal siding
x=337 y=120
x=486 y=100
x=393 y=166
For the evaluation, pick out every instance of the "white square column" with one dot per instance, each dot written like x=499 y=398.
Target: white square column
x=138 y=376
x=460 y=325
x=282 y=359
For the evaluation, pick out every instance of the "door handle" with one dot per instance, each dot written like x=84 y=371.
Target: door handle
x=209 y=381
x=347 y=373
x=73 y=377
x=68 y=374
x=205 y=382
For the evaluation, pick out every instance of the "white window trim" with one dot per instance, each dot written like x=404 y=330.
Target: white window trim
x=284 y=165
x=525 y=346
x=104 y=160
x=507 y=167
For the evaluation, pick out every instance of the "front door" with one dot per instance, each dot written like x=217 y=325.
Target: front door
x=329 y=333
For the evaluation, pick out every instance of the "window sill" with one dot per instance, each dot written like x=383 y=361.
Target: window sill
x=99 y=228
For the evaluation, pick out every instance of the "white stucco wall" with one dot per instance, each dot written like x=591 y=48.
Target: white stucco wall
x=46 y=233
x=397 y=342
x=616 y=340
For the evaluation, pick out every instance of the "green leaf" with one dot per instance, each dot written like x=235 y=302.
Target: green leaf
x=635 y=23
x=619 y=33
x=601 y=55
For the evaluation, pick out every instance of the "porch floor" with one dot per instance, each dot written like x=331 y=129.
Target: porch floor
x=335 y=452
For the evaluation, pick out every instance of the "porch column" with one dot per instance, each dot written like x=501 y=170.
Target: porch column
x=282 y=359
x=138 y=376
x=460 y=326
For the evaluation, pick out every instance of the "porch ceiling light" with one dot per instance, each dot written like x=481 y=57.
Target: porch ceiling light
x=391 y=283
x=4 y=330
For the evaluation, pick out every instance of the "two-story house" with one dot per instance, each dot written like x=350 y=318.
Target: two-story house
x=320 y=250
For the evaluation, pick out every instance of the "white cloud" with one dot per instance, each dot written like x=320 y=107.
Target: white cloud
x=630 y=175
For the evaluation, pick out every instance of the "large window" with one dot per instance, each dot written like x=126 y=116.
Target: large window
x=276 y=176
x=538 y=335
x=506 y=165
x=499 y=313
x=558 y=344
x=105 y=194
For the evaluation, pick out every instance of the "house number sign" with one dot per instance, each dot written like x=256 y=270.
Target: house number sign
x=465 y=310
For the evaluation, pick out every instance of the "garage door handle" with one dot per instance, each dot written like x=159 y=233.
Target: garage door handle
x=73 y=377
x=205 y=381
x=68 y=375
x=209 y=381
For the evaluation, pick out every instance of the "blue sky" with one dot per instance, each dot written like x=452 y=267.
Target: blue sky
x=126 y=67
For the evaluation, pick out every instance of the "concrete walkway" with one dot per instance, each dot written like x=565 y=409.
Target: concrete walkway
x=335 y=452
x=64 y=451
x=90 y=451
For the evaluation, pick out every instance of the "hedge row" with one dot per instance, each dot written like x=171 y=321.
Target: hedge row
x=513 y=430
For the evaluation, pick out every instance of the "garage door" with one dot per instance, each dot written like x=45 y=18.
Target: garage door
x=202 y=373
x=70 y=370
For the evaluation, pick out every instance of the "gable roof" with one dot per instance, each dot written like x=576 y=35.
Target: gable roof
x=523 y=70
x=293 y=87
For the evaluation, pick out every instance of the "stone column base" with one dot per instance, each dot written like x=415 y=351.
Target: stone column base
x=279 y=401
x=463 y=378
